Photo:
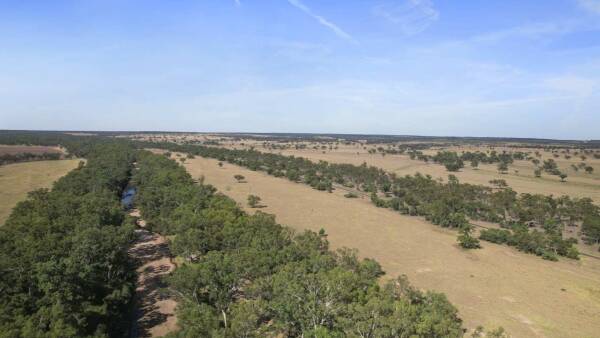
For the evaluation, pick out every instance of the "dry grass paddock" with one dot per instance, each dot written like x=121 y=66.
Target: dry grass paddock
x=494 y=286
x=16 y=180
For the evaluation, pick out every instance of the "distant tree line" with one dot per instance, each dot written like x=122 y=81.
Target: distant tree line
x=64 y=269
x=247 y=276
x=27 y=157
x=454 y=161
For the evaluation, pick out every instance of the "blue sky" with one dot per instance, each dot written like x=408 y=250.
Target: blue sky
x=427 y=67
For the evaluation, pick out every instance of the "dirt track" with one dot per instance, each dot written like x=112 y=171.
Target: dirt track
x=154 y=309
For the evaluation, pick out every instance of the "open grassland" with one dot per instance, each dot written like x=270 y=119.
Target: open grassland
x=520 y=176
x=18 y=179
x=493 y=286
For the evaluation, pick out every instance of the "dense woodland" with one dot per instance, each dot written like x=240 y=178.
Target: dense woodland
x=536 y=221
x=64 y=269
x=247 y=276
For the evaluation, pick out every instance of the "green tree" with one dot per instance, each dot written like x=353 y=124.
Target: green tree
x=503 y=167
x=591 y=229
x=465 y=238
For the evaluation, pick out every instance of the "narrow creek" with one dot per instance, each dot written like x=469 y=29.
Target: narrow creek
x=154 y=309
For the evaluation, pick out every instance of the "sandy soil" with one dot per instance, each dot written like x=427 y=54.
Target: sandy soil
x=16 y=180
x=495 y=286
x=155 y=309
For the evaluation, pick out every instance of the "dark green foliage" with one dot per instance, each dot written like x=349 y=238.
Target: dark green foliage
x=454 y=161
x=247 y=276
x=499 y=236
x=450 y=160
x=465 y=238
x=591 y=229
x=27 y=157
x=548 y=245
x=64 y=268
x=551 y=167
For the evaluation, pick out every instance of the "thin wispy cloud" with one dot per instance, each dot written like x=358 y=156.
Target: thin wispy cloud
x=590 y=5
x=238 y=3
x=577 y=85
x=321 y=20
x=532 y=31
x=411 y=16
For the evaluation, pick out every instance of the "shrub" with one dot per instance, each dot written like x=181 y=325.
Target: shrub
x=253 y=201
x=465 y=238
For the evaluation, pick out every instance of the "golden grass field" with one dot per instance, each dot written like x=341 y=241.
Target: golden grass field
x=494 y=286
x=18 y=179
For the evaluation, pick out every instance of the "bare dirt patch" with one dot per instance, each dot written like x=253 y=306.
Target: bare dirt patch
x=155 y=309
x=493 y=286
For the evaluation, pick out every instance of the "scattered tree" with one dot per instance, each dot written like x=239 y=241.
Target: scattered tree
x=502 y=167
x=499 y=183
x=465 y=238
x=253 y=201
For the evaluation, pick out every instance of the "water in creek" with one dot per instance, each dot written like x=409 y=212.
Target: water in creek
x=127 y=198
